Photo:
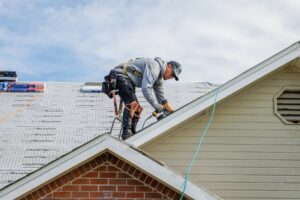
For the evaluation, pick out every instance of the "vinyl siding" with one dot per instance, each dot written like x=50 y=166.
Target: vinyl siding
x=248 y=152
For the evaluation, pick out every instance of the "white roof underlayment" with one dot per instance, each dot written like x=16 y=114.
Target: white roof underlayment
x=36 y=128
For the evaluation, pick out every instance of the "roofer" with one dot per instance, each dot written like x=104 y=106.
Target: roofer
x=148 y=74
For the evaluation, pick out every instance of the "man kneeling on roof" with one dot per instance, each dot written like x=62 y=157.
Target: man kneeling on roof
x=148 y=74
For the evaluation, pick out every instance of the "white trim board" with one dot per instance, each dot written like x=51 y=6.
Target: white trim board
x=92 y=149
x=250 y=76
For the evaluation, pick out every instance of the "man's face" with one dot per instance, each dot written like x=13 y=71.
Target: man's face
x=168 y=73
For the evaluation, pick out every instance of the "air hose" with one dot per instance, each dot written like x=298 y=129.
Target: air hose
x=199 y=145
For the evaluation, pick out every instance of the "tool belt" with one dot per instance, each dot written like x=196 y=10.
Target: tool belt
x=110 y=84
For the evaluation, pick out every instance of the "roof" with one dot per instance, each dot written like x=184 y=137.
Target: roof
x=37 y=128
x=231 y=87
x=91 y=149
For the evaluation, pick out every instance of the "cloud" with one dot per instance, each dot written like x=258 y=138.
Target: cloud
x=214 y=41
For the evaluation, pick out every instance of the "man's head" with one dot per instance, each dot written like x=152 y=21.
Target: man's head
x=173 y=70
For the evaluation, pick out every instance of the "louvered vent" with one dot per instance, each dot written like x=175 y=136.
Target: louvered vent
x=288 y=106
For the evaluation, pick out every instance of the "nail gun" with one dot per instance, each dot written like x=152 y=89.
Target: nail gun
x=164 y=112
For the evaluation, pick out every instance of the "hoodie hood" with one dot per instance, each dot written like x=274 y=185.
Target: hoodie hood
x=162 y=64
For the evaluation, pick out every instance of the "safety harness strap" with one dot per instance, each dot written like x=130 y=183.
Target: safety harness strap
x=126 y=69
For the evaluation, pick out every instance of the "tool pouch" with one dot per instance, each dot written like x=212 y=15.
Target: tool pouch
x=109 y=84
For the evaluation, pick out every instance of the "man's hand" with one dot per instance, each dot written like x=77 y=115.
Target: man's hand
x=167 y=106
x=157 y=111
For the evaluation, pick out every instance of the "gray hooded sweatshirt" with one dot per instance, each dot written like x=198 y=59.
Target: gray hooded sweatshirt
x=151 y=81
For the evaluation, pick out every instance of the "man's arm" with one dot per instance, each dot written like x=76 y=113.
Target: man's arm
x=158 y=88
x=149 y=79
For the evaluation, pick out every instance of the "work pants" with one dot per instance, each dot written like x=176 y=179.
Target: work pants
x=127 y=94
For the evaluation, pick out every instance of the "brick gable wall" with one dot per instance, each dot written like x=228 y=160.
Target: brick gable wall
x=105 y=177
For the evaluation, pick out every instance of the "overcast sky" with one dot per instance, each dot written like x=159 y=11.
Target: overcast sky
x=56 y=40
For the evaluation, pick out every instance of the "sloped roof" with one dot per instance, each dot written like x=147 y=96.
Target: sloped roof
x=250 y=76
x=37 y=128
x=93 y=148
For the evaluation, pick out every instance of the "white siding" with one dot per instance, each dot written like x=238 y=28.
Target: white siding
x=248 y=152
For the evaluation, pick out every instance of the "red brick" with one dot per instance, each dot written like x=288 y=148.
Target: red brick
x=154 y=183
x=135 y=195
x=108 y=188
x=123 y=175
x=131 y=170
x=82 y=170
x=61 y=194
x=143 y=177
x=165 y=190
x=53 y=186
x=126 y=188
x=117 y=181
x=93 y=163
x=99 y=160
x=36 y=195
x=76 y=173
x=153 y=195
x=81 y=181
x=29 y=197
x=112 y=169
x=47 y=189
x=114 y=160
x=87 y=166
x=133 y=182
x=171 y=194
x=143 y=189
x=91 y=175
x=41 y=192
x=80 y=194
x=70 y=188
x=70 y=176
x=49 y=195
x=120 y=163
x=125 y=167
x=99 y=181
x=89 y=188
x=101 y=169
x=119 y=194
x=61 y=181
x=137 y=173
x=160 y=187
x=149 y=180
x=96 y=194
x=108 y=175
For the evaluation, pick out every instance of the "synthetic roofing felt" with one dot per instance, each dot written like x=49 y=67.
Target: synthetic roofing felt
x=37 y=128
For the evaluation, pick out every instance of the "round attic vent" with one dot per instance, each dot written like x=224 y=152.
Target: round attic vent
x=287 y=105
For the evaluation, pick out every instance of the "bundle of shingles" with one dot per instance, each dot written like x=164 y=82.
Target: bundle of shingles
x=8 y=83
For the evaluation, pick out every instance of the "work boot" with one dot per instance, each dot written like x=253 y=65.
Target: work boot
x=126 y=124
x=133 y=124
x=126 y=134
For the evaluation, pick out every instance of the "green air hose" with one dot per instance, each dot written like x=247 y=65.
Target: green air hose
x=199 y=145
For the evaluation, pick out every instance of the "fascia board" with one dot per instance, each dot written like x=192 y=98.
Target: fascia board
x=225 y=90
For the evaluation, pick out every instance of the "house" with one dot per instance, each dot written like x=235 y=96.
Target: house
x=40 y=129
x=251 y=150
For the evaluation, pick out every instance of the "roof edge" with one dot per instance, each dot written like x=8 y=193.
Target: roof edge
x=253 y=74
